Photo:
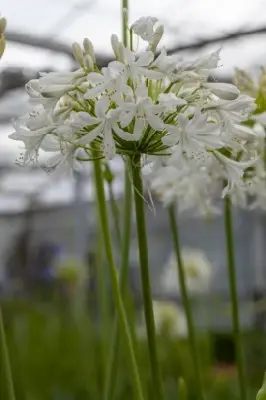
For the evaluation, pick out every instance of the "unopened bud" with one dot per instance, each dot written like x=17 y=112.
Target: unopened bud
x=2 y=45
x=89 y=49
x=115 y=45
x=157 y=36
x=2 y=25
x=78 y=53
x=88 y=62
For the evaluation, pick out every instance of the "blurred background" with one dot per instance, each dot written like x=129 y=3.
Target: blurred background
x=49 y=240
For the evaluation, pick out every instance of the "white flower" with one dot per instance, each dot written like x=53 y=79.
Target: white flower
x=144 y=112
x=170 y=101
x=63 y=154
x=104 y=121
x=143 y=27
x=197 y=269
x=31 y=130
x=193 y=135
x=234 y=170
x=110 y=82
x=260 y=118
x=135 y=69
x=229 y=112
x=169 y=319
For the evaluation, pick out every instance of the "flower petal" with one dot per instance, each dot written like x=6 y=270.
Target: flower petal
x=101 y=107
x=145 y=59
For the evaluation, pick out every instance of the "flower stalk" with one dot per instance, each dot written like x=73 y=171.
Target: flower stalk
x=186 y=302
x=5 y=362
x=103 y=217
x=145 y=279
x=113 y=365
x=234 y=297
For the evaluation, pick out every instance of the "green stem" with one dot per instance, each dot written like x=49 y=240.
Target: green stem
x=186 y=302
x=113 y=365
x=4 y=357
x=103 y=299
x=234 y=297
x=114 y=208
x=145 y=279
x=103 y=217
x=124 y=21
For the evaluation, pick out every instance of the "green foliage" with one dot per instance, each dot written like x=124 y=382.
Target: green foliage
x=56 y=355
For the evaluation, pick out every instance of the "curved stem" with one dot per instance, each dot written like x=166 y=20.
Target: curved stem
x=113 y=365
x=186 y=302
x=145 y=279
x=234 y=297
x=103 y=217
x=4 y=357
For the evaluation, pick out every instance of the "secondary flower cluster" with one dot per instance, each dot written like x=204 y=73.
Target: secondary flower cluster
x=146 y=103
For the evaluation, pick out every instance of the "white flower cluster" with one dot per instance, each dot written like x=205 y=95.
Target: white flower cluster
x=149 y=104
x=198 y=272
x=169 y=318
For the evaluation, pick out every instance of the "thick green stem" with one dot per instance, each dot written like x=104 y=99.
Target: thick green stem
x=103 y=217
x=6 y=373
x=145 y=279
x=234 y=297
x=186 y=302
x=113 y=365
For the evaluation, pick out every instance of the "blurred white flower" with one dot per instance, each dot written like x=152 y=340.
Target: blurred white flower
x=197 y=268
x=168 y=317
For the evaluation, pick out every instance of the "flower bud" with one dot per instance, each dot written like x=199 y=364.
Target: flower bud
x=115 y=45
x=2 y=45
x=88 y=62
x=225 y=91
x=2 y=25
x=56 y=90
x=89 y=49
x=78 y=53
x=157 y=36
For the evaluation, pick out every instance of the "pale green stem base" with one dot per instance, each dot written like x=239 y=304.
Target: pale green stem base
x=234 y=297
x=186 y=302
x=103 y=217
x=145 y=279
x=5 y=368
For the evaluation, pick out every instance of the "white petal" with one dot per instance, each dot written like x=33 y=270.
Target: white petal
x=125 y=135
x=82 y=119
x=145 y=59
x=101 y=107
x=90 y=136
x=94 y=92
x=95 y=78
x=150 y=73
x=225 y=91
x=155 y=122
x=126 y=118
x=109 y=143
x=261 y=118
x=139 y=126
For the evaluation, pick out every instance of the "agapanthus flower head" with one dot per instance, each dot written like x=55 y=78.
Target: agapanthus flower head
x=197 y=268
x=169 y=319
x=141 y=104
